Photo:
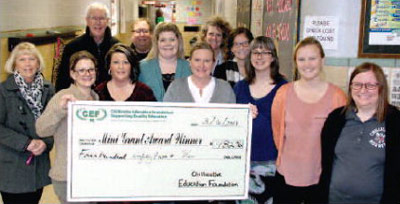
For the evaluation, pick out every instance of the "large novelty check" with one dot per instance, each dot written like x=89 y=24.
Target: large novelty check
x=157 y=151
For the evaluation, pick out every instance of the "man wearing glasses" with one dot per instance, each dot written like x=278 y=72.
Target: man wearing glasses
x=97 y=40
x=141 y=37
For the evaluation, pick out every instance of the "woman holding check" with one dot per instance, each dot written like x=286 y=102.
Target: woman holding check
x=200 y=87
x=53 y=121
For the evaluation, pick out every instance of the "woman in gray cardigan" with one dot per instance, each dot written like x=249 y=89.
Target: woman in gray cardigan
x=200 y=87
x=24 y=156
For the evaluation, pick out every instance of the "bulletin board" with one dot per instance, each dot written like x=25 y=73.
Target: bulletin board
x=379 y=29
x=193 y=12
x=280 y=22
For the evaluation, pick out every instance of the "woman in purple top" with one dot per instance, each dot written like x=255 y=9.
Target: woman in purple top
x=258 y=89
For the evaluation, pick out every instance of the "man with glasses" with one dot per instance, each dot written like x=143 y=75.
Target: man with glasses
x=97 y=40
x=142 y=31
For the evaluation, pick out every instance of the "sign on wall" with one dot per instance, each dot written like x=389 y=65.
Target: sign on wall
x=324 y=28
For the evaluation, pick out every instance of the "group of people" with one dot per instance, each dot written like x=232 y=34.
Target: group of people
x=310 y=142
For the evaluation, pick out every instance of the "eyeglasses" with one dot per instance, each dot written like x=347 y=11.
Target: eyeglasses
x=368 y=86
x=243 y=44
x=138 y=31
x=95 y=18
x=84 y=71
x=266 y=53
x=218 y=35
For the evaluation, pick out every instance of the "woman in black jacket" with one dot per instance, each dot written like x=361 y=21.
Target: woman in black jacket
x=24 y=156
x=361 y=144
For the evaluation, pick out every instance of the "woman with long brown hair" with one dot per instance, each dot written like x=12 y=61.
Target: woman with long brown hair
x=258 y=88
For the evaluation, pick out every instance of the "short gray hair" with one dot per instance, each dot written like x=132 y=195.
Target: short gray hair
x=97 y=6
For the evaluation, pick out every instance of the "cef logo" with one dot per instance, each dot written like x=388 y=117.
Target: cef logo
x=91 y=115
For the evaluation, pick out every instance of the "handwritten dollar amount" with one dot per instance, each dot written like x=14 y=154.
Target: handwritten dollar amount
x=227 y=144
x=88 y=154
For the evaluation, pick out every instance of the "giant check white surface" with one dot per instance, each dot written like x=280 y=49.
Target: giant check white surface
x=157 y=151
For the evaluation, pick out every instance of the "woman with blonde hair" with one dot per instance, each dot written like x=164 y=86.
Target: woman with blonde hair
x=298 y=113
x=200 y=87
x=165 y=61
x=24 y=156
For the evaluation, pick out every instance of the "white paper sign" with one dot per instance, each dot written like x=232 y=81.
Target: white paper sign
x=323 y=28
x=127 y=151
x=394 y=85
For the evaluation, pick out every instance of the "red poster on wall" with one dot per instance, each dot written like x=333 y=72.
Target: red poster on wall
x=280 y=23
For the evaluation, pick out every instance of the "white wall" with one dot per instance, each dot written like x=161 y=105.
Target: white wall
x=37 y=14
x=348 y=12
x=129 y=10
x=226 y=9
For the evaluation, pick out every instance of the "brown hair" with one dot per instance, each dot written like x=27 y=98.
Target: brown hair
x=383 y=91
x=151 y=27
x=263 y=43
x=130 y=56
x=305 y=42
x=235 y=32
x=79 y=56
x=220 y=23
